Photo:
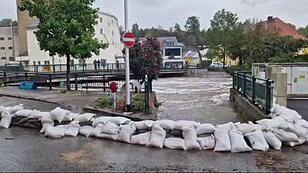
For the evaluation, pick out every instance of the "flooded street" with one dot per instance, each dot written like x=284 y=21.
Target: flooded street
x=204 y=98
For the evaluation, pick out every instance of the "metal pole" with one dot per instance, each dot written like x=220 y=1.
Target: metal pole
x=127 y=72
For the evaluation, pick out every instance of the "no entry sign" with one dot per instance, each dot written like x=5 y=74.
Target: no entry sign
x=129 y=39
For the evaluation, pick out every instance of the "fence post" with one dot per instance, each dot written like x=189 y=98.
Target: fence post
x=4 y=78
x=267 y=96
x=253 y=79
x=50 y=82
x=244 y=85
x=76 y=82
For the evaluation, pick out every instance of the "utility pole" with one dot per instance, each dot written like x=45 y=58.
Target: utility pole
x=13 y=39
x=127 y=71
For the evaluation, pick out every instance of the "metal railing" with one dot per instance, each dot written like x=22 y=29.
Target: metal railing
x=258 y=91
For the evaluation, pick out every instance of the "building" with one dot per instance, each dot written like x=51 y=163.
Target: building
x=106 y=30
x=8 y=44
x=282 y=28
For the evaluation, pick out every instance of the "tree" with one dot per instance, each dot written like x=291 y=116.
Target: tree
x=66 y=28
x=135 y=30
x=303 y=31
x=146 y=59
x=8 y=22
x=220 y=34
x=177 y=28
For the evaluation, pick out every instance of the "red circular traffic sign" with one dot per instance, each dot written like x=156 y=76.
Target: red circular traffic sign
x=113 y=87
x=129 y=39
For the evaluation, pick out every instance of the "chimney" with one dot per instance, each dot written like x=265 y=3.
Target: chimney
x=270 y=18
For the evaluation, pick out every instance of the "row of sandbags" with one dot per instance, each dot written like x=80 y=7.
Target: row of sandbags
x=285 y=127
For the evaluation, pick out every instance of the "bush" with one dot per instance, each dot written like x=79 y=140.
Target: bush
x=138 y=103
x=104 y=102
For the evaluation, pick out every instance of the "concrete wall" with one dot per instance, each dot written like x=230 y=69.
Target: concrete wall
x=6 y=44
x=106 y=31
x=247 y=111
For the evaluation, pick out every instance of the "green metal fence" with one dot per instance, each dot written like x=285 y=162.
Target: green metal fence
x=258 y=91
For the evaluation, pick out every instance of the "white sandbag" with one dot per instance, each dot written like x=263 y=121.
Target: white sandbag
x=108 y=128
x=47 y=119
x=126 y=132
x=285 y=136
x=300 y=142
x=68 y=117
x=141 y=139
x=6 y=119
x=24 y=113
x=72 y=129
x=83 y=117
x=190 y=138
x=45 y=125
x=301 y=123
x=205 y=129
x=222 y=139
x=119 y=120
x=88 y=131
x=144 y=125
x=175 y=143
x=181 y=124
x=14 y=109
x=38 y=114
x=277 y=122
x=257 y=140
x=272 y=140
x=166 y=124
x=100 y=120
x=158 y=135
x=54 y=132
x=207 y=143
x=238 y=143
x=226 y=126
x=247 y=128
x=286 y=113
x=107 y=136
x=59 y=114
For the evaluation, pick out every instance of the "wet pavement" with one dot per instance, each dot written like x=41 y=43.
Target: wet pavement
x=204 y=98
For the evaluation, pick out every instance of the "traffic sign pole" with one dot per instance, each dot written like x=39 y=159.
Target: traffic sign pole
x=127 y=70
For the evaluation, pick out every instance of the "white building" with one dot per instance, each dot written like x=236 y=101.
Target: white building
x=107 y=31
x=8 y=44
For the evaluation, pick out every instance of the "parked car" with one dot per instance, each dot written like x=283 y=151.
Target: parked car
x=217 y=65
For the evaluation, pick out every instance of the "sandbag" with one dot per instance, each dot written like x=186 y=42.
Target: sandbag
x=166 y=124
x=205 y=129
x=6 y=119
x=45 y=125
x=38 y=114
x=272 y=140
x=107 y=136
x=144 y=125
x=175 y=143
x=141 y=139
x=222 y=139
x=158 y=135
x=14 y=109
x=23 y=113
x=226 y=126
x=247 y=128
x=301 y=123
x=100 y=120
x=285 y=136
x=287 y=114
x=238 y=143
x=190 y=138
x=119 y=120
x=181 y=124
x=257 y=140
x=126 y=132
x=83 y=117
x=207 y=143
x=72 y=129
x=300 y=142
x=108 y=128
x=277 y=122
x=54 y=132
x=88 y=131
x=59 y=114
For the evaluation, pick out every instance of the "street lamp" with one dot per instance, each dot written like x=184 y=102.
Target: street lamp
x=127 y=73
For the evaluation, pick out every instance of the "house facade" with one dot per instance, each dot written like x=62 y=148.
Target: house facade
x=8 y=44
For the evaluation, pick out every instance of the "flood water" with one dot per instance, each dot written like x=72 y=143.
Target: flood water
x=204 y=98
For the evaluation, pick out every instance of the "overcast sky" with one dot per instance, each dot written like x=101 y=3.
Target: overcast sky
x=166 y=13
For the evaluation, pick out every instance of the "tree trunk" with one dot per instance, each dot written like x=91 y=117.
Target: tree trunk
x=200 y=57
x=68 y=71
x=240 y=60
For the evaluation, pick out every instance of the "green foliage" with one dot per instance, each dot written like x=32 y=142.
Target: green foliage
x=138 y=103
x=7 y=22
x=146 y=58
x=303 y=31
x=104 y=102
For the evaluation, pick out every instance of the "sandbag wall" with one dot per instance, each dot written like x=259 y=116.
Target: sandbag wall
x=286 y=127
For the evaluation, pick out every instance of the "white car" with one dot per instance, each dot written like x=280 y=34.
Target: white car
x=217 y=65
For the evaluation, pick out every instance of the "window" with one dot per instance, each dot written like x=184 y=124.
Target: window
x=9 y=38
x=102 y=31
x=1 y=38
x=10 y=48
x=3 y=58
x=46 y=62
x=112 y=33
x=101 y=19
x=2 y=48
x=34 y=63
x=38 y=62
x=12 y=58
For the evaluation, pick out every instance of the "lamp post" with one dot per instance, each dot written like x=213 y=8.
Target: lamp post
x=127 y=70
